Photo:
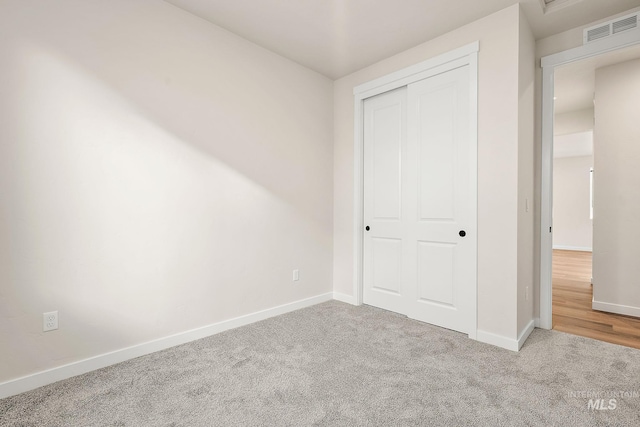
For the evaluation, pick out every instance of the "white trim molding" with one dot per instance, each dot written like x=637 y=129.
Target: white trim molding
x=505 y=342
x=625 y=310
x=525 y=333
x=464 y=56
x=549 y=63
x=39 y=379
x=349 y=299
x=498 y=340
x=439 y=64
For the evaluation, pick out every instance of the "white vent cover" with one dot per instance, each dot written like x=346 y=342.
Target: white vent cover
x=610 y=28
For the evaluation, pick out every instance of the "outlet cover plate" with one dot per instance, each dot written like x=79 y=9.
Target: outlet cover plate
x=49 y=321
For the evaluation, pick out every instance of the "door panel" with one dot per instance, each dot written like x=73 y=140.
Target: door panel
x=385 y=132
x=387 y=264
x=436 y=130
x=438 y=161
x=435 y=273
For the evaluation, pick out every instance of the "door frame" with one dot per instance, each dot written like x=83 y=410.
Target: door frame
x=549 y=64
x=465 y=55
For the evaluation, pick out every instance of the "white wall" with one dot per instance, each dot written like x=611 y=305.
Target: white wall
x=616 y=215
x=157 y=174
x=572 y=226
x=571 y=203
x=526 y=81
x=498 y=162
x=573 y=122
x=570 y=38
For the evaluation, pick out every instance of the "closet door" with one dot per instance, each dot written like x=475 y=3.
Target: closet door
x=385 y=135
x=419 y=239
x=441 y=226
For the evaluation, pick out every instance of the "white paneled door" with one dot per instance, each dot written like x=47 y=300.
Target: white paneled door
x=420 y=225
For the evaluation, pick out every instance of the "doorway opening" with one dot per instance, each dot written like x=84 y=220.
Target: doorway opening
x=571 y=153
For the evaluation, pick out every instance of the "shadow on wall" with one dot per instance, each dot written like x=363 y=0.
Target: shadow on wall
x=225 y=97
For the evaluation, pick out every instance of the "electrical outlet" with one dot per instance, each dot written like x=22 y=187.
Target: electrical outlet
x=296 y=275
x=526 y=293
x=49 y=321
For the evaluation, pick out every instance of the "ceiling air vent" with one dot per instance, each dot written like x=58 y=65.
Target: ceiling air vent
x=610 y=28
x=625 y=24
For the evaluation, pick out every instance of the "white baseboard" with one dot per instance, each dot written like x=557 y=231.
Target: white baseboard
x=573 y=248
x=626 y=310
x=498 y=340
x=525 y=333
x=504 y=342
x=349 y=299
x=39 y=379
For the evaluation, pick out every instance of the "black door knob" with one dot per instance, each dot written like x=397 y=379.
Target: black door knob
x=367 y=228
x=462 y=233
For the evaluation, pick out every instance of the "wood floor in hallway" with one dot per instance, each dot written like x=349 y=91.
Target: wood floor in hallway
x=572 y=295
